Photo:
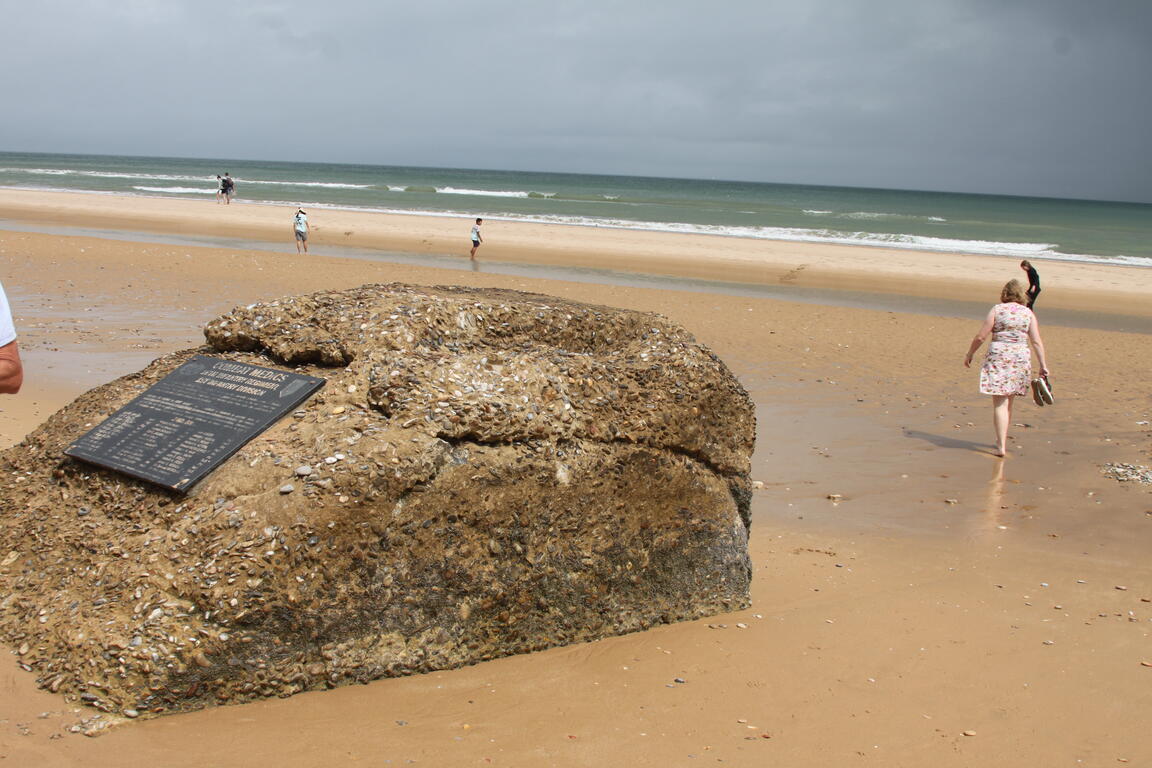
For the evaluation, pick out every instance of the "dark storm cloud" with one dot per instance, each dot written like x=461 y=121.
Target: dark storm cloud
x=1031 y=97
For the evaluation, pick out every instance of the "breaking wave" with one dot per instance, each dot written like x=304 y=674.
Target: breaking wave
x=493 y=192
x=179 y=190
x=177 y=177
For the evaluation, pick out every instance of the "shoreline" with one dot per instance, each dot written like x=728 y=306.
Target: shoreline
x=1076 y=286
x=905 y=303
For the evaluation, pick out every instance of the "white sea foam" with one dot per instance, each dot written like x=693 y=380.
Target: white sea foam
x=144 y=176
x=69 y=190
x=393 y=188
x=39 y=171
x=903 y=241
x=795 y=234
x=178 y=177
x=871 y=215
x=106 y=174
x=323 y=184
x=179 y=190
x=492 y=192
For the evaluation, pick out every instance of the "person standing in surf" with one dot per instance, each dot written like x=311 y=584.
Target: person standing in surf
x=476 y=239
x=1033 y=282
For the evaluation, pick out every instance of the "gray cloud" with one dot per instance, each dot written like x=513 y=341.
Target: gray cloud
x=1044 y=97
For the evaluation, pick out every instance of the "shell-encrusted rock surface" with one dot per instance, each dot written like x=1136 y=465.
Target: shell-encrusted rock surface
x=486 y=472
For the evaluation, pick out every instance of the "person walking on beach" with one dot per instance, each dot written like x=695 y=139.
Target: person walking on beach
x=1007 y=369
x=300 y=227
x=229 y=187
x=11 y=369
x=476 y=239
x=219 y=189
x=1033 y=281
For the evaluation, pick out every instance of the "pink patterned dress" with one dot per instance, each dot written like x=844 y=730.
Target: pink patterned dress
x=1007 y=368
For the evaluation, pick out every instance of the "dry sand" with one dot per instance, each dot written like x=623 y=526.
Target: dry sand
x=886 y=624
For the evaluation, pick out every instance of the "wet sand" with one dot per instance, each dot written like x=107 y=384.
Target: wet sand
x=1068 y=285
x=944 y=592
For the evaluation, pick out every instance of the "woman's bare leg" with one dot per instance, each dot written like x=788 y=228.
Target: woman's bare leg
x=1001 y=418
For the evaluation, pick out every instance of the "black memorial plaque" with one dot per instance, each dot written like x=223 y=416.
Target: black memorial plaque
x=192 y=420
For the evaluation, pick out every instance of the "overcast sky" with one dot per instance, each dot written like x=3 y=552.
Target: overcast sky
x=1040 y=97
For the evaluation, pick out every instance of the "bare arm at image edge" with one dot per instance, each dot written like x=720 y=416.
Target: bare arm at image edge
x=11 y=369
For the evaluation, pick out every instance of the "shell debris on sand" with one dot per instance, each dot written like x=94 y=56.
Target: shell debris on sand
x=1128 y=473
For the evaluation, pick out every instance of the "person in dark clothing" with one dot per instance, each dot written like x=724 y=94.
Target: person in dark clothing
x=1033 y=282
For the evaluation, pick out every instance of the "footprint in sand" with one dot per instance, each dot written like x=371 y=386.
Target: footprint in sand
x=793 y=274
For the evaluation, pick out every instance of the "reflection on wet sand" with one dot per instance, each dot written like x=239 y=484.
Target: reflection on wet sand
x=990 y=520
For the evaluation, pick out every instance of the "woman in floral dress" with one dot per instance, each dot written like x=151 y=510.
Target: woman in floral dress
x=1007 y=369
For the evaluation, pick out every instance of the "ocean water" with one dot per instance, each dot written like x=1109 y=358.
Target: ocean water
x=1015 y=227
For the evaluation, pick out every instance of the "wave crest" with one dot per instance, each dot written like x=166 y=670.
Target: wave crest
x=493 y=192
x=179 y=190
x=177 y=177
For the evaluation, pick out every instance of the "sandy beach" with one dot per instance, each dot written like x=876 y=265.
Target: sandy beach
x=916 y=601
x=1068 y=285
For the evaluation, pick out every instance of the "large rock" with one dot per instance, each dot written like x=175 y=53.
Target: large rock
x=491 y=472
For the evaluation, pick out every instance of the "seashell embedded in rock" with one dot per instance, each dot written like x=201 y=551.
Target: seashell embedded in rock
x=513 y=471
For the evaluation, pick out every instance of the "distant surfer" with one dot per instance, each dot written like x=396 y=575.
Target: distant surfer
x=476 y=239
x=11 y=369
x=300 y=227
x=1033 y=282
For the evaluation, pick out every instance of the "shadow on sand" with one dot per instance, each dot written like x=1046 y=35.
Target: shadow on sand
x=944 y=441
